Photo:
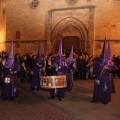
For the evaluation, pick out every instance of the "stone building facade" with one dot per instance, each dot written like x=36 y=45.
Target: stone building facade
x=84 y=23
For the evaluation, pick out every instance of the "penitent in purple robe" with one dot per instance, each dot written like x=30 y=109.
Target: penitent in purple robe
x=37 y=70
x=111 y=68
x=69 y=76
x=102 y=92
x=37 y=73
x=70 y=70
x=61 y=91
x=9 y=86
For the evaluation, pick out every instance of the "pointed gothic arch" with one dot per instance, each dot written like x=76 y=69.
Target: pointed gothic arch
x=53 y=33
x=69 y=26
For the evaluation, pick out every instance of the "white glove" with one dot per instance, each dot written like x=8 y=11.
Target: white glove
x=97 y=81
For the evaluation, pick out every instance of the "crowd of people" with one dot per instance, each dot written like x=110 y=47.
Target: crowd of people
x=31 y=67
x=83 y=61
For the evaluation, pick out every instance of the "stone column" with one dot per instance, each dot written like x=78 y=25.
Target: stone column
x=49 y=31
x=91 y=41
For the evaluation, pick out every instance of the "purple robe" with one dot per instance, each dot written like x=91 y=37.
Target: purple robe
x=111 y=68
x=61 y=91
x=102 y=92
x=112 y=86
x=9 y=87
x=69 y=76
x=64 y=67
x=14 y=67
x=37 y=73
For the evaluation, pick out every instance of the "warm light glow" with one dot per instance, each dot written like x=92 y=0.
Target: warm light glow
x=2 y=26
x=2 y=40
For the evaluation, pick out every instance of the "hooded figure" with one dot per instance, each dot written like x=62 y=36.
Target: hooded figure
x=70 y=70
x=111 y=68
x=102 y=92
x=37 y=71
x=100 y=60
x=39 y=58
x=10 y=60
x=57 y=67
x=9 y=87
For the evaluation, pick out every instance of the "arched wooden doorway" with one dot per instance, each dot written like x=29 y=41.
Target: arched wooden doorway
x=71 y=31
x=55 y=27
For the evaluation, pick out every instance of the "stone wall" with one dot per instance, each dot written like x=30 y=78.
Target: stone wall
x=25 y=46
x=115 y=46
x=100 y=18
x=2 y=24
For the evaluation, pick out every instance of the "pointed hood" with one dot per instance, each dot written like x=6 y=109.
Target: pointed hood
x=39 y=50
x=103 y=50
x=60 y=53
x=102 y=57
x=60 y=49
x=108 y=54
x=39 y=58
x=71 y=59
x=58 y=60
x=10 y=59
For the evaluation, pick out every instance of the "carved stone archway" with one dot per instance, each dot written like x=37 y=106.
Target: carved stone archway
x=70 y=27
x=86 y=36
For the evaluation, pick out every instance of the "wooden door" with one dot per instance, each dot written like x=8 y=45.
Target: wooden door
x=68 y=41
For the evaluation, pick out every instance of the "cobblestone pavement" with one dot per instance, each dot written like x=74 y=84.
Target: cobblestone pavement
x=30 y=107
x=34 y=105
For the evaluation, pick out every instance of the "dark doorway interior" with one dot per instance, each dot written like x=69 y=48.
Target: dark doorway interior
x=68 y=41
